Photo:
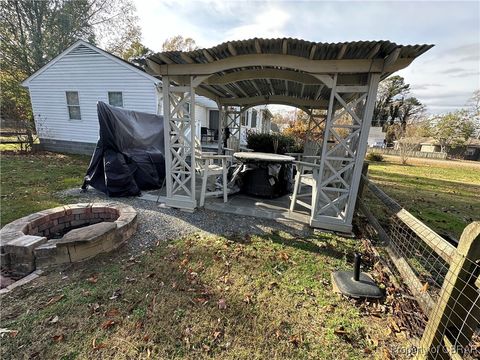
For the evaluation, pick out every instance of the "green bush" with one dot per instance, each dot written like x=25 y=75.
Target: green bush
x=373 y=156
x=266 y=143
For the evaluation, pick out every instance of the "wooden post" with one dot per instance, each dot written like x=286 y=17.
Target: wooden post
x=457 y=314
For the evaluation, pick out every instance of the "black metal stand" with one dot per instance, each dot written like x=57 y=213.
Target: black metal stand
x=355 y=283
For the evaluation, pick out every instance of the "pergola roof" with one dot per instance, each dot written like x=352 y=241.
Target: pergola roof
x=284 y=70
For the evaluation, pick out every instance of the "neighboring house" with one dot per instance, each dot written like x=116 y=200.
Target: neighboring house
x=430 y=145
x=376 y=137
x=256 y=119
x=64 y=95
x=470 y=150
x=410 y=144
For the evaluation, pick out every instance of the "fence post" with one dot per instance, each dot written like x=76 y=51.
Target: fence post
x=362 y=181
x=455 y=317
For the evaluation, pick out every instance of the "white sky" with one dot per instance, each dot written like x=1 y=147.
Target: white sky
x=444 y=78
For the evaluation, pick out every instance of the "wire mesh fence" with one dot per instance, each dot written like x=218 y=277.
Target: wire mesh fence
x=443 y=278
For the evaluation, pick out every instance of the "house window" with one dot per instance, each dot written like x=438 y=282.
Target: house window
x=469 y=152
x=254 y=119
x=73 y=104
x=245 y=119
x=186 y=107
x=115 y=98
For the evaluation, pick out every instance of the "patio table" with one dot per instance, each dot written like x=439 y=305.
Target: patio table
x=265 y=174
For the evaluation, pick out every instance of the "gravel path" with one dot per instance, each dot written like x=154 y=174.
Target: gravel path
x=157 y=223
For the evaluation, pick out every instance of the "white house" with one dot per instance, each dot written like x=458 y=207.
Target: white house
x=376 y=137
x=64 y=94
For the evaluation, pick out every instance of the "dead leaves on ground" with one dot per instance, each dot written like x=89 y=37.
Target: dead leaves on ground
x=93 y=279
x=222 y=304
x=54 y=300
x=108 y=324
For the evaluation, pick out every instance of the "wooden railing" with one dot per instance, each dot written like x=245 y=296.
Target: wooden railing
x=443 y=278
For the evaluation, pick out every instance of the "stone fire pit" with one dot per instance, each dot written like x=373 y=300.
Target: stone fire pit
x=65 y=234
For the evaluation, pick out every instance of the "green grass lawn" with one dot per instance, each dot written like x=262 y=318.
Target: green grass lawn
x=203 y=296
x=29 y=181
x=445 y=195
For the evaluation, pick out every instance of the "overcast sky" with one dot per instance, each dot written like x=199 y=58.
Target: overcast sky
x=444 y=78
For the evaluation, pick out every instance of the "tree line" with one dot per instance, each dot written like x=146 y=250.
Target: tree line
x=33 y=32
x=403 y=116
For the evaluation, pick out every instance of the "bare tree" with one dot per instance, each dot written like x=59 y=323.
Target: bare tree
x=179 y=43
x=474 y=111
x=33 y=32
x=452 y=129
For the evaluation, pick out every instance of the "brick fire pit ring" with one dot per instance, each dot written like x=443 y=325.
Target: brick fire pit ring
x=65 y=234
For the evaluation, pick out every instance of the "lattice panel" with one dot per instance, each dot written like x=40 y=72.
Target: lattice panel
x=343 y=137
x=180 y=134
x=180 y=144
x=233 y=122
x=342 y=133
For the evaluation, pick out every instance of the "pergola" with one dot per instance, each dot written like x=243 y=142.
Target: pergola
x=341 y=79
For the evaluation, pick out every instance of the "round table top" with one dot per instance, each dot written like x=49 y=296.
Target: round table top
x=264 y=157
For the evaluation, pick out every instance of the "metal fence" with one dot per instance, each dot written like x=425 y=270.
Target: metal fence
x=443 y=277
x=415 y=154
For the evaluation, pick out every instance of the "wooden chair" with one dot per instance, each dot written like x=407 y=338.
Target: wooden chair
x=308 y=173
x=206 y=167
x=310 y=154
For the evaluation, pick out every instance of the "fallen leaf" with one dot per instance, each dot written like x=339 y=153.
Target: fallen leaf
x=272 y=285
x=58 y=338
x=200 y=300
x=387 y=355
x=116 y=294
x=339 y=331
x=295 y=340
x=95 y=307
x=248 y=298
x=4 y=331
x=222 y=304
x=112 y=313
x=99 y=346
x=216 y=334
x=425 y=288
x=93 y=279
x=55 y=299
x=54 y=319
x=108 y=324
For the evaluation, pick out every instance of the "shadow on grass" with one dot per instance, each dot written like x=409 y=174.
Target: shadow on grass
x=194 y=298
x=324 y=244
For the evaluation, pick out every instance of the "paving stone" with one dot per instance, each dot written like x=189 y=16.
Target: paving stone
x=5 y=260
x=24 y=245
x=49 y=254
x=88 y=233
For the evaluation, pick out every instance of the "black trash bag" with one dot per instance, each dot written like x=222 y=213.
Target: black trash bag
x=130 y=154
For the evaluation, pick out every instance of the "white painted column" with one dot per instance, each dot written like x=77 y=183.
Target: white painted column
x=179 y=135
x=341 y=163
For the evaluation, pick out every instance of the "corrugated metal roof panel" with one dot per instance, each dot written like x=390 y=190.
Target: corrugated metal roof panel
x=356 y=50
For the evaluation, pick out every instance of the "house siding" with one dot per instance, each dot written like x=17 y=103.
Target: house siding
x=93 y=75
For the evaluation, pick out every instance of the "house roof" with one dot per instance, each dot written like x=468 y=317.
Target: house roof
x=80 y=42
x=283 y=68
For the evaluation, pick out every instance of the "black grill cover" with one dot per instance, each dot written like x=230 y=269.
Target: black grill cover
x=130 y=154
